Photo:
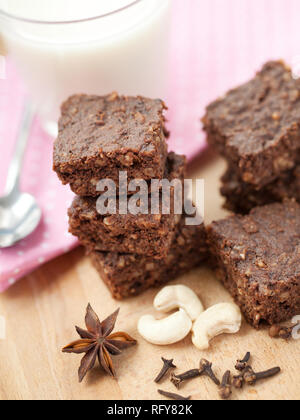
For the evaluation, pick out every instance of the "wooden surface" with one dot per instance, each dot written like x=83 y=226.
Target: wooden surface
x=42 y=310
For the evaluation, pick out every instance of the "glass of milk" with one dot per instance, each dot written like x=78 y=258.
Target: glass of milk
x=64 y=47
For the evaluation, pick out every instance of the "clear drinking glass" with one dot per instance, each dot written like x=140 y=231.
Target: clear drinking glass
x=64 y=47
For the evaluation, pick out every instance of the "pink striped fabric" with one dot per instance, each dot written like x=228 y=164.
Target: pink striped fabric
x=215 y=44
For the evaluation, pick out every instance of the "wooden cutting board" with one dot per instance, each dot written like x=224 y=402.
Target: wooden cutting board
x=42 y=310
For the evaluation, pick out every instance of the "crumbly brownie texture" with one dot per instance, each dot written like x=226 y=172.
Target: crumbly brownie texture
x=258 y=260
x=149 y=235
x=101 y=136
x=257 y=126
x=129 y=275
x=242 y=197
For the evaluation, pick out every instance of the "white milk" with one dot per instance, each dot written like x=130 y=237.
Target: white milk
x=125 y=51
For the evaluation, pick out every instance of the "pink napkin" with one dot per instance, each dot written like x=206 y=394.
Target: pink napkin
x=215 y=44
x=52 y=237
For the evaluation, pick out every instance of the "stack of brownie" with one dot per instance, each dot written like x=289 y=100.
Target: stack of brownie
x=256 y=128
x=100 y=137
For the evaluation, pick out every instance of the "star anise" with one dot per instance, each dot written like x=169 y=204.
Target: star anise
x=98 y=341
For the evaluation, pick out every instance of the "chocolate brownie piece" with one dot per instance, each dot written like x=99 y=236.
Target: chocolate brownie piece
x=242 y=197
x=149 y=235
x=258 y=260
x=101 y=136
x=129 y=275
x=257 y=126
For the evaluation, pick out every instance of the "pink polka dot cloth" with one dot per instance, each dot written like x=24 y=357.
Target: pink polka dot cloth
x=214 y=45
x=52 y=237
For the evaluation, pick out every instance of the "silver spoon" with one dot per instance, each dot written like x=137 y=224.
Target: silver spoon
x=19 y=212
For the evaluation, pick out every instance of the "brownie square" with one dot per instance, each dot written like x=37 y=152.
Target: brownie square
x=129 y=275
x=258 y=260
x=242 y=197
x=149 y=235
x=101 y=136
x=256 y=127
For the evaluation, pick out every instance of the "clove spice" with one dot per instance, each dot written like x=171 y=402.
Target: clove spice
x=225 y=387
x=168 y=365
x=238 y=381
x=173 y=396
x=283 y=332
x=246 y=376
x=278 y=331
x=206 y=370
x=177 y=380
x=242 y=364
x=251 y=377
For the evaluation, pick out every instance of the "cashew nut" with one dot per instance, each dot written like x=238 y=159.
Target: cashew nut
x=173 y=297
x=224 y=318
x=166 y=331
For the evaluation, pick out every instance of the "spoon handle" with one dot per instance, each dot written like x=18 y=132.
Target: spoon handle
x=13 y=177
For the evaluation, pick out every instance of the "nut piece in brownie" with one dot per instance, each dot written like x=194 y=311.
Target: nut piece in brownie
x=129 y=275
x=149 y=235
x=242 y=197
x=101 y=136
x=258 y=259
x=256 y=127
